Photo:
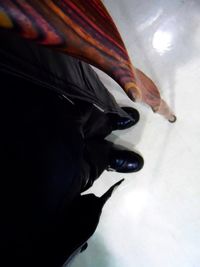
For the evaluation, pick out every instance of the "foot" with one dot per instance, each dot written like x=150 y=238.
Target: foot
x=124 y=161
x=124 y=123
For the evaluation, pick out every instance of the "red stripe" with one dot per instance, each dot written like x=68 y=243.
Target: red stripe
x=22 y=19
x=73 y=6
x=50 y=36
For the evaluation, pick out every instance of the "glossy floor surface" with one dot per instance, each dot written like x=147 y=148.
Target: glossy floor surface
x=153 y=219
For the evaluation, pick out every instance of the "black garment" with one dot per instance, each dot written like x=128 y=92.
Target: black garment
x=46 y=164
x=40 y=163
x=46 y=160
x=72 y=78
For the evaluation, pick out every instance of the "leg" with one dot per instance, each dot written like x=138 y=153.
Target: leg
x=100 y=155
x=98 y=124
x=40 y=166
x=96 y=159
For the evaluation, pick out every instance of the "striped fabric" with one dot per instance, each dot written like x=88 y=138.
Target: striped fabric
x=83 y=29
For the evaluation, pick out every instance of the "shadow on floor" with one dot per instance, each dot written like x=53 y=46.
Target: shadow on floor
x=96 y=254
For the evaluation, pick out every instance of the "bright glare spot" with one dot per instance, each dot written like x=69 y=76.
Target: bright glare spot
x=162 y=41
x=136 y=202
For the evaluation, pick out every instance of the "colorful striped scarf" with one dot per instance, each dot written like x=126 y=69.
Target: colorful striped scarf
x=83 y=29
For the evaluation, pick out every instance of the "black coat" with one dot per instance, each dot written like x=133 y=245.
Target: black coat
x=32 y=66
x=66 y=75
x=44 y=219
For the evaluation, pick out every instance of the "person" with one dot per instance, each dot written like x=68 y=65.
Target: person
x=55 y=115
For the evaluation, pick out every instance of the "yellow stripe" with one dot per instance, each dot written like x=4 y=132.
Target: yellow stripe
x=5 y=21
x=134 y=89
x=81 y=32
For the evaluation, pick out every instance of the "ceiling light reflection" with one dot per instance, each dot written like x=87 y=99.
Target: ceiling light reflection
x=162 y=41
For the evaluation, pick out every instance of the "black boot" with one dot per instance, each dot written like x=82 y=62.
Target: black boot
x=103 y=155
x=123 y=160
x=125 y=123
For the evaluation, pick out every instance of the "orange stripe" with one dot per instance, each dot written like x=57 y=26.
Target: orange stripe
x=93 y=25
x=5 y=21
x=83 y=34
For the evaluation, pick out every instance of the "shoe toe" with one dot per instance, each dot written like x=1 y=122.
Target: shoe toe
x=124 y=122
x=126 y=161
x=133 y=113
x=136 y=163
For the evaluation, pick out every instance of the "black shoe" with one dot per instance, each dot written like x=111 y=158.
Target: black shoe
x=124 y=123
x=123 y=160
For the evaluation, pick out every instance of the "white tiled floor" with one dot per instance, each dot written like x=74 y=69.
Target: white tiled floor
x=153 y=220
